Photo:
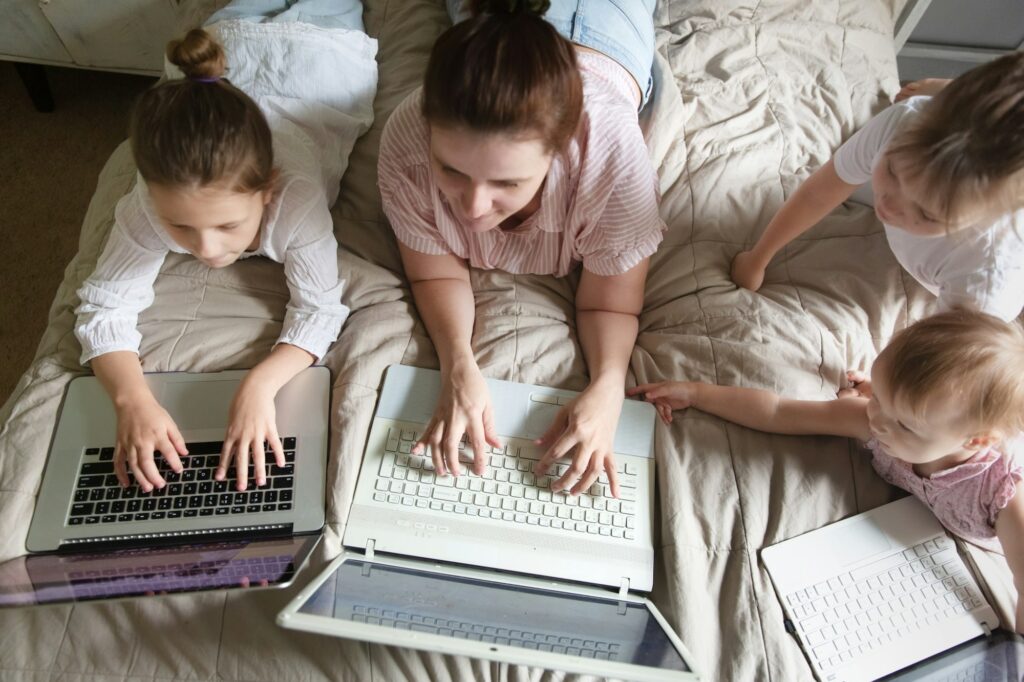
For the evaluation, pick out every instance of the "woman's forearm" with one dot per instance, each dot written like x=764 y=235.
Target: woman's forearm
x=607 y=339
x=448 y=310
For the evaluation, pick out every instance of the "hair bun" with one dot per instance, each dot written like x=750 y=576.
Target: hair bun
x=537 y=7
x=198 y=55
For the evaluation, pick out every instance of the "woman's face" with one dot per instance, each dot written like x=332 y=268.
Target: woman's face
x=214 y=224
x=487 y=177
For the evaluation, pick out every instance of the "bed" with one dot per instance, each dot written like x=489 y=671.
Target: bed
x=750 y=97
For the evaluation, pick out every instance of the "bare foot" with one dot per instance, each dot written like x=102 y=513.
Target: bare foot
x=925 y=86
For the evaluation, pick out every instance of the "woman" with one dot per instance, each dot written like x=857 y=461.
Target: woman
x=522 y=152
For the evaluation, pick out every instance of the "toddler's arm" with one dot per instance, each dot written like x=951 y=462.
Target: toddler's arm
x=1010 y=530
x=815 y=198
x=760 y=409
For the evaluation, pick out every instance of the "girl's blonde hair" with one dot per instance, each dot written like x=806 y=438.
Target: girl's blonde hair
x=967 y=146
x=972 y=358
x=201 y=130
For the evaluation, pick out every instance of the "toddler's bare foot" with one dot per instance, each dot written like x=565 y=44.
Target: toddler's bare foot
x=925 y=86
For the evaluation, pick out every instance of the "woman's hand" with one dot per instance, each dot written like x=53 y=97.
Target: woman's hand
x=252 y=420
x=666 y=396
x=586 y=425
x=464 y=407
x=144 y=428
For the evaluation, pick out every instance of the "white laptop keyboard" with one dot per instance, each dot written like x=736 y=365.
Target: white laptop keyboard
x=508 y=491
x=851 y=614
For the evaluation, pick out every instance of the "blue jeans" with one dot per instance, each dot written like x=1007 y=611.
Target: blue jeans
x=621 y=29
x=322 y=13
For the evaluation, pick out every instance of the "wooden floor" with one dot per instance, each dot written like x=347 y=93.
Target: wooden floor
x=49 y=164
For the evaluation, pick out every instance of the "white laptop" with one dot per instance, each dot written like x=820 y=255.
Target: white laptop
x=82 y=508
x=503 y=538
x=877 y=592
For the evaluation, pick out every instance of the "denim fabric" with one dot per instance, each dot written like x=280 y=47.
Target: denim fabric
x=323 y=13
x=621 y=29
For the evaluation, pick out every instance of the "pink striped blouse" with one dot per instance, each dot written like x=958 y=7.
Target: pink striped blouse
x=599 y=202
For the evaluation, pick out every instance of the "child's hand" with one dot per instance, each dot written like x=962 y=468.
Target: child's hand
x=252 y=420
x=144 y=428
x=667 y=396
x=748 y=270
x=859 y=385
x=925 y=86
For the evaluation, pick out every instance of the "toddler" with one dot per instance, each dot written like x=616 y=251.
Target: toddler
x=947 y=172
x=222 y=177
x=942 y=416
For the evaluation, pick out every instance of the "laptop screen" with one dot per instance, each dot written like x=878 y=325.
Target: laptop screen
x=499 y=613
x=998 y=658
x=52 y=578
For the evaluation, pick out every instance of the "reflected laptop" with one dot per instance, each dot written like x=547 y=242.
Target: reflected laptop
x=82 y=508
x=57 y=577
x=877 y=592
x=493 y=525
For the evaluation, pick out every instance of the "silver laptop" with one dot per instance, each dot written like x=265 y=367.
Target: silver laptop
x=82 y=508
x=877 y=592
x=502 y=537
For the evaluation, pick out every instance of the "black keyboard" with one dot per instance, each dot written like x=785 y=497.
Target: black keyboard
x=99 y=498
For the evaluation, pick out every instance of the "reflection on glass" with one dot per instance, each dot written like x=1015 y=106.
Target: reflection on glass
x=49 y=578
x=510 y=615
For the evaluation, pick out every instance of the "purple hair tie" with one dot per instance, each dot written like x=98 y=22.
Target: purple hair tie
x=213 y=79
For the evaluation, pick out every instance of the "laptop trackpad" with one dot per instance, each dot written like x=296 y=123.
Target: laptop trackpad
x=199 y=404
x=858 y=541
x=540 y=418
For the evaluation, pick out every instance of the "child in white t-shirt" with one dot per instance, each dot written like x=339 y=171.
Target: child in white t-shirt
x=947 y=172
x=226 y=174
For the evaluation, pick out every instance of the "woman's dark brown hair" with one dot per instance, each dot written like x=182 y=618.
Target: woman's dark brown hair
x=201 y=130
x=967 y=145
x=505 y=70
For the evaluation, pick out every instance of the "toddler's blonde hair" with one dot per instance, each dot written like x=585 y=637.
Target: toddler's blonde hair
x=972 y=358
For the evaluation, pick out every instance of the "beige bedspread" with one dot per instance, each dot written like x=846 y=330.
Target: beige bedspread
x=751 y=96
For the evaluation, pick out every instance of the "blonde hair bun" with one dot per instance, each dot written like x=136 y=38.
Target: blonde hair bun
x=198 y=55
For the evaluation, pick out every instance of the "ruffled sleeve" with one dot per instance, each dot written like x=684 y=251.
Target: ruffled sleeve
x=121 y=287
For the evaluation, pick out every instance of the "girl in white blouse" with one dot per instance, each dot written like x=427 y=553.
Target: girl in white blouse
x=214 y=182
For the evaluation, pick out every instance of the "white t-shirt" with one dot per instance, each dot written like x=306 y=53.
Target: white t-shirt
x=979 y=268
x=297 y=231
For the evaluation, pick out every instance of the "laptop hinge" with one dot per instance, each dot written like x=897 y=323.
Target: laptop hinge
x=624 y=588
x=369 y=548
x=988 y=630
